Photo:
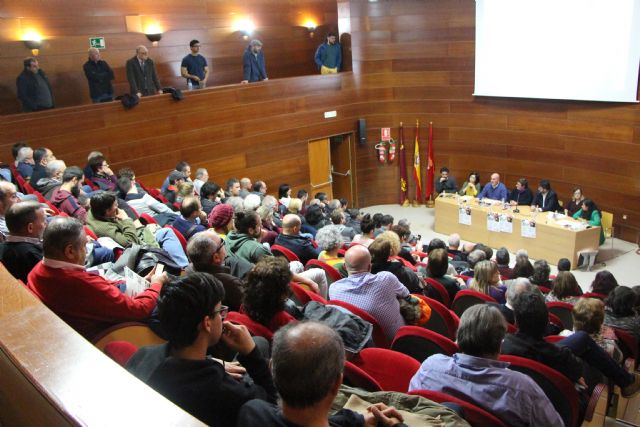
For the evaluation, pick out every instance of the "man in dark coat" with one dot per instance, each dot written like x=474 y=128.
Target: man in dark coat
x=142 y=75
x=34 y=90
x=100 y=75
x=253 y=65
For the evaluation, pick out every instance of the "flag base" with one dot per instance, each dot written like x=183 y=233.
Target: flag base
x=406 y=203
x=430 y=203
x=415 y=203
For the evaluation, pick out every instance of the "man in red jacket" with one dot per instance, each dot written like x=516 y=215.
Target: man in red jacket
x=87 y=302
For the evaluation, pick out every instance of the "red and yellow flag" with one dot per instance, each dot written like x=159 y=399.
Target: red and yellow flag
x=404 y=189
x=430 y=164
x=416 y=165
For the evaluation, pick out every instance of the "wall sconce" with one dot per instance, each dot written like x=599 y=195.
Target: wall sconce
x=311 y=27
x=33 y=41
x=154 y=38
x=245 y=27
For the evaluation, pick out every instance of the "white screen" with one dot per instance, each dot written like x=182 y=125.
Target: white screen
x=558 y=49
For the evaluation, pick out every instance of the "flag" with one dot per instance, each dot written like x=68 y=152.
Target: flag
x=404 y=190
x=430 y=164
x=416 y=166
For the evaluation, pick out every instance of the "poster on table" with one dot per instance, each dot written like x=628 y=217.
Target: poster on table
x=506 y=224
x=493 y=222
x=464 y=215
x=528 y=229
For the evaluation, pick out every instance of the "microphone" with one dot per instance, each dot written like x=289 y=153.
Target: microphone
x=516 y=210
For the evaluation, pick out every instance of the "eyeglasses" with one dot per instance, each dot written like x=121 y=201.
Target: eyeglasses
x=223 y=310
x=222 y=244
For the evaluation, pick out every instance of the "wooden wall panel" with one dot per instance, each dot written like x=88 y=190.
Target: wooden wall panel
x=67 y=25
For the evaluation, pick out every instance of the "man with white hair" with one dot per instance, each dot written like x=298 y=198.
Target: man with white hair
x=202 y=176
x=454 y=244
x=25 y=163
x=515 y=288
x=245 y=186
x=99 y=75
x=53 y=179
x=142 y=75
x=252 y=202
x=8 y=196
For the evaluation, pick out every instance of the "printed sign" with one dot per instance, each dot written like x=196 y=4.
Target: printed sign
x=464 y=215
x=97 y=42
x=528 y=229
x=506 y=224
x=493 y=222
x=385 y=134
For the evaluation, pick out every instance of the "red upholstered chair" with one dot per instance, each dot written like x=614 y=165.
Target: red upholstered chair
x=304 y=296
x=41 y=199
x=475 y=415
x=147 y=219
x=420 y=343
x=89 y=232
x=379 y=336
x=404 y=262
x=601 y=297
x=90 y=183
x=544 y=290
x=563 y=311
x=120 y=351
x=441 y=292
x=181 y=238
x=554 y=338
x=555 y=320
x=511 y=328
x=558 y=388
x=156 y=194
x=392 y=370
x=442 y=320
x=333 y=275
x=356 y=377
x=467 y=298
x=628 y=344
x=254 y=327
x=278 y=250
x=464 y=277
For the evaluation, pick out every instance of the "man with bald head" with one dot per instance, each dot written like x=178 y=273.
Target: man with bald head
x=142 y=75
x=494 y=190
x=99 y=75
x=291 y=239
x=377 y=294
x=316 y=351
x=207 y=252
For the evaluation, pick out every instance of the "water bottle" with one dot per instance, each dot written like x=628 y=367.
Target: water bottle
x=189 y=84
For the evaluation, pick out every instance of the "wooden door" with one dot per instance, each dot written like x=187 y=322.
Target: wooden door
x=320 y=167
x=343 y=169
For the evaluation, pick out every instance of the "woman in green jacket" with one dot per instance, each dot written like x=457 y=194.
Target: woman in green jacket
x=590 y=212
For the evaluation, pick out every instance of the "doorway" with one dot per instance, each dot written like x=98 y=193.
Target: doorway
x=332 y=168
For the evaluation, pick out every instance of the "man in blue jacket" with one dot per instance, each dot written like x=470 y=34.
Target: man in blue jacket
x=329 y=55
x=253 y=63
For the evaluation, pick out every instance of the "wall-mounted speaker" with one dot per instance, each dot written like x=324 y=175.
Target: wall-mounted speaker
x=362 y=131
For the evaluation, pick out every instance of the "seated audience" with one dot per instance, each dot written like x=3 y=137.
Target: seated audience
x=314 y=219
x=575 y=203
x=386 y=222
x=209 y=196
x=8 y=196
x=102 y=175
x=24 y=162
x=486 y=279
x=221 y=219
x=316 y=350
x=494 y=189
x=266 y=216
x=604 y=282
x=41 y=158
x=142 y=202
x=564 y=264
x=588 y=316
x=243 y=240
x=446 y=183
x=284 y=195
x=546 y=199
x=437 y=270
x=565 y=288
x=475 y=374
x=236 y=202
x=521 y=195
x=191 y=219
x=620 y=311
x=377 y=294
x=454 y=244
x=339 y=220
x=473 y=259
x=532 y=317
x=502 y=259
x=88 y=171
x=515 y=288
x=87 y=302
x=65 y=198
x=471 y=187
x=590 y=213
x=329 y=242
x=245 y=187
x=171 y=192
x=51 y=180
x=383 y=248
x=185 y=189
x=404 y=234
x=266 y=291
x=202 y=176
x=541 y=272
x=192 y=316
x=251 y=202
x=291 y=239
x=522 y=267
x=367 y=226
x=22 y=250
x=182 y=167
x=207 y=254
x=354 y=220
x=260 y=188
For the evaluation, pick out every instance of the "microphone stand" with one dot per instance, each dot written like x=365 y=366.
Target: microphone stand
x=516 y=210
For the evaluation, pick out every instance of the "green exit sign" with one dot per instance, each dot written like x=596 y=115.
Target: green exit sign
x=97 y=42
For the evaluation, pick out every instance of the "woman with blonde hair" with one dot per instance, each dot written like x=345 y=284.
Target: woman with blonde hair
x=486 y=280
x=185 y=189
x=295 y=205
x=383 y=248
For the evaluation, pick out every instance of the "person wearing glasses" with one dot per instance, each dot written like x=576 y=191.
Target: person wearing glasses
x=194 y=67
x=192 y=317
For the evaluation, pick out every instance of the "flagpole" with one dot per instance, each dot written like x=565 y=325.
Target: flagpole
x=430 y=167
x=402 y=162
x=416 y=167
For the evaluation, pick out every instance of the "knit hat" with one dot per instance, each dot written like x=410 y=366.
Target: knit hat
x=220 y=216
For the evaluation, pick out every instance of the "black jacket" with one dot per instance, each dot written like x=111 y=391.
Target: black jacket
x=550 y=202
x=232 y=285
x=100 y=75
x=299 y=245
x=143 y=81
x=27 y=86
x=20 y=258
x=525 y=198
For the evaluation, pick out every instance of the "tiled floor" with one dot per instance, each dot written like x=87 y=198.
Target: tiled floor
x=622 y=260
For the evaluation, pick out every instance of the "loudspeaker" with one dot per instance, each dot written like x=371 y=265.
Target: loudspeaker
x=362 y=131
